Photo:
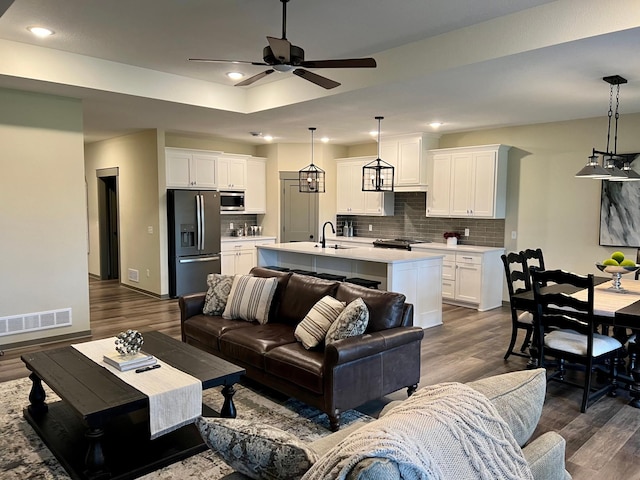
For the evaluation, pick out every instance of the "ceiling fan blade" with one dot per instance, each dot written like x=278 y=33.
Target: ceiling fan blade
x=281 y=49
x=211 y=60
x=255 y=78
x=315 y=78
x=343 y=63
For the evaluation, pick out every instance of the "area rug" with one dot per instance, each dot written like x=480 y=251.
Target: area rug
x=24 y=456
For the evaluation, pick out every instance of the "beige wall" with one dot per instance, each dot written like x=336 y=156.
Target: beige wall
x=204 y=142
x=136 y=156
x=43 y=221
x=546 y=205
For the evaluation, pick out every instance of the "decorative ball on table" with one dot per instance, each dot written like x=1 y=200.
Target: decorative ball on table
x=617 y=265
x=129 y=342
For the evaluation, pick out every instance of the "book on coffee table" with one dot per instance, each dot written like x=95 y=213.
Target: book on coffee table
x=129 y=362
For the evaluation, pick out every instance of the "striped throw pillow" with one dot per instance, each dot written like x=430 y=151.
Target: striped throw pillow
x=315 y=325
x=250 y=298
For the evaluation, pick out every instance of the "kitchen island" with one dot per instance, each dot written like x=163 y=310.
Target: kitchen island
x=417 y=275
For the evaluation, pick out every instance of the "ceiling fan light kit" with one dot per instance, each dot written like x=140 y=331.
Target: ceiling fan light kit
x=378 y=175
x=284 y=57
x=611 y=159
x=311 y=177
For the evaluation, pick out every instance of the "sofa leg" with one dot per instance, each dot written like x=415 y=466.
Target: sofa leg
x=334 y=421
x=412 y=389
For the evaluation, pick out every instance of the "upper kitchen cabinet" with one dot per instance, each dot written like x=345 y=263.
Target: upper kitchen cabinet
x=468 y=182
x=408 y=154
x=255 y=197
x=350 y=199
x=232 y=172
x=190 y=168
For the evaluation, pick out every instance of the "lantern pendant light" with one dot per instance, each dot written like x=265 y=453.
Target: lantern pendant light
x=311 y=178
x=378 y=175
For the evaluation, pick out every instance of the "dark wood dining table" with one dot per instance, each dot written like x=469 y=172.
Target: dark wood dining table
x=620 y=320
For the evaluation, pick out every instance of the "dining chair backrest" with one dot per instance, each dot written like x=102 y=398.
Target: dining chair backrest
x=533 y=258
x=515 y=269
x=557 y=309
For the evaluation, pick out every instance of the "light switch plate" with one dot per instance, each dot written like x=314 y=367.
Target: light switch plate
x=466 y=232
x=514 y=235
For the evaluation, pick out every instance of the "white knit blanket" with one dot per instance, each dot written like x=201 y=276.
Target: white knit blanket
x=445 y=431
x=175 y=398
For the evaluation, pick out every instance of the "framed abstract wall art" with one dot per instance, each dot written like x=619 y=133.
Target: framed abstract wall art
x=620 y=210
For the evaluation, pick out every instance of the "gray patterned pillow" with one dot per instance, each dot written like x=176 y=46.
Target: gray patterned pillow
x=259 y=451
x=315 y=325
x=352 y=321
x=218 y=293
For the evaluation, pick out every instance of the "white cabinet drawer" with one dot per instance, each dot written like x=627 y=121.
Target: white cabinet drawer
x=448 y=288
x=234 y=246
x=470 y=258
x=448 y=270
x=264 y=242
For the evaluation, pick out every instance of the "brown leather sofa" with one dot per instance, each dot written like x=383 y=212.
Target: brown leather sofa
x=337 y=377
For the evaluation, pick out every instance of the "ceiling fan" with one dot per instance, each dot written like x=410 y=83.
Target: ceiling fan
x=282 y=56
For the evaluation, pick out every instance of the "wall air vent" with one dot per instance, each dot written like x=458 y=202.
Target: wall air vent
x=30 y=322
x=133 y=275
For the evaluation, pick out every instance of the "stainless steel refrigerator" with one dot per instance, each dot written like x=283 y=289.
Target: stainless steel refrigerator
x=194 y=239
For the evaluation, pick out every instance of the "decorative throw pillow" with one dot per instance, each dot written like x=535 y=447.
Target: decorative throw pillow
x=259 y=451
x=315 y=325
x=216 y=299
x=250 y=298
x=352 y=321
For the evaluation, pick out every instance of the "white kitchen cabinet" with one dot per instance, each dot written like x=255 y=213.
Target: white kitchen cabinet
x=190 y=168
x=239 y=256
x=350 y=199
x=232 y=172
x=255 y=198
x=468 y=182
x=471 y=276
x=407 y=153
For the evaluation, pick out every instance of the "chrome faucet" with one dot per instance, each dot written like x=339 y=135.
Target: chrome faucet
x=323 y=241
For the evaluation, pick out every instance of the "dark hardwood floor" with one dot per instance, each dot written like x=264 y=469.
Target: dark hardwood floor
x=603 y=443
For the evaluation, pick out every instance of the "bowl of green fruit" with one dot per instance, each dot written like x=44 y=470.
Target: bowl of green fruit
x=617 y=265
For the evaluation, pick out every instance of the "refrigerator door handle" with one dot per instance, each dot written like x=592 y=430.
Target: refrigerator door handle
x=202 y=217
x=199 y=222
x=199 y=259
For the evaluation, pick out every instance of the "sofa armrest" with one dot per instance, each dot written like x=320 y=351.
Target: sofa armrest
x=361 y=346
x=191 y=305
x=545 y=456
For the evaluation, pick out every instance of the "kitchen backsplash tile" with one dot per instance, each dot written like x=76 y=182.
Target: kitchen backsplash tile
x=238 y=221
x=410 y=221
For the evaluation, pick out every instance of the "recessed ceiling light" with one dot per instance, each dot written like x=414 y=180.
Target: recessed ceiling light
x=268 y=138
x=41 y=32
x=436 y=124
x=324 y=139
x=235 y=75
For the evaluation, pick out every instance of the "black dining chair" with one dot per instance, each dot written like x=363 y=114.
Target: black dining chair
x=533 y=258
x=515 y=270
x=567 y=330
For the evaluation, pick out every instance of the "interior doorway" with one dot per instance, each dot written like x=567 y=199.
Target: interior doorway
x=298 y=211
x=108 y=223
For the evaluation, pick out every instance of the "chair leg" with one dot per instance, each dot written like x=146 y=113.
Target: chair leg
x=514 y=335
x=587 y=387
x=527 y=340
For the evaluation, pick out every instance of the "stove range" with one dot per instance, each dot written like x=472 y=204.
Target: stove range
x=397 y=243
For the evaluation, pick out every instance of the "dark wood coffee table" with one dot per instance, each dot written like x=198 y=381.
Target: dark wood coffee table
x=100 y=428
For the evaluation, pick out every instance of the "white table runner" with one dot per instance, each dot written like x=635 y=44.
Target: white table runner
x=606 y=301
x=175 y=398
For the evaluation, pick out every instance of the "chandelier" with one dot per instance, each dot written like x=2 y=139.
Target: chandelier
x=311 y=178
x=377 y=175
x=615 y=167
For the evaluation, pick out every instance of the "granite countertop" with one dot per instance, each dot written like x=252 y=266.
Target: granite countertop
x=246 y=238
x=456 y=248
x=369 y=254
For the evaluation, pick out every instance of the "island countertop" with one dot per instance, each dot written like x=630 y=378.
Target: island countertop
x=368 y=254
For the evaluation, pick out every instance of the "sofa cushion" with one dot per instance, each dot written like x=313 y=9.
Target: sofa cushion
x=257 y=450
x=385 y=308
x=250 y=344
x=292 y=362
x=208 y=330
x=301 y=294
x=215 y=300
x=315 y=325
x=283 y=280
x=250 y=298
x=518 y=397
x=352 y=321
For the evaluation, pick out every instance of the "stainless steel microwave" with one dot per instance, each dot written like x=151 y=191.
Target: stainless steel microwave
x=231 y=201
